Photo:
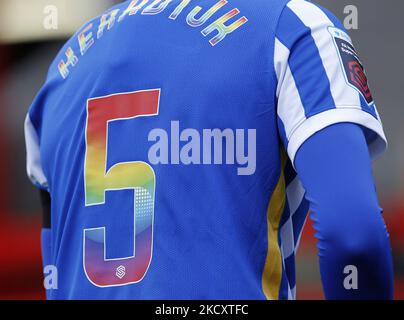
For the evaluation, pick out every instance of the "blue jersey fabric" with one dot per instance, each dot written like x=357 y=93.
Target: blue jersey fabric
x=353 y=242
x=129 y=227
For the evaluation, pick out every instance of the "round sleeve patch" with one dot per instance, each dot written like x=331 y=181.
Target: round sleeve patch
x=354 y=71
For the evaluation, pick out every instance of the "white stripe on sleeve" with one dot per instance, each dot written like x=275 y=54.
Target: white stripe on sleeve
x=315 y=19
x=290 y=107
x=34 y=167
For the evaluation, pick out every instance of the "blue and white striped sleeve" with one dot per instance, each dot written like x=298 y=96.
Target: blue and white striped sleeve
x=321 y=80
x=34 y=167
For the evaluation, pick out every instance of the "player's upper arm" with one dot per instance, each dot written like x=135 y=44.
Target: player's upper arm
x=34 y=166
x=321 y=80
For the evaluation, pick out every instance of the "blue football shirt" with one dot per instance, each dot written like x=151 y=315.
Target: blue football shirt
x=165 y=134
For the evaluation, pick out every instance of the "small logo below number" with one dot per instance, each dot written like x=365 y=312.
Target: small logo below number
x=120 y=272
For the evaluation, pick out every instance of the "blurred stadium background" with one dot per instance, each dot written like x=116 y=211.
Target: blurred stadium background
x=26 y=50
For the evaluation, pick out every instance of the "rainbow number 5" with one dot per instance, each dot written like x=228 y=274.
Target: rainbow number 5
x=136 y=175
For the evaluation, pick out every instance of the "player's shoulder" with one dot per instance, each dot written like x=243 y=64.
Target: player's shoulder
x=272 y=12
x=302 y=18
x=72 y=49
x=262 y=16
x=299 y=5
x=309 y=10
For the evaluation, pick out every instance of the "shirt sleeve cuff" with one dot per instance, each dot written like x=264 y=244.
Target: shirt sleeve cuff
x=339 y=115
